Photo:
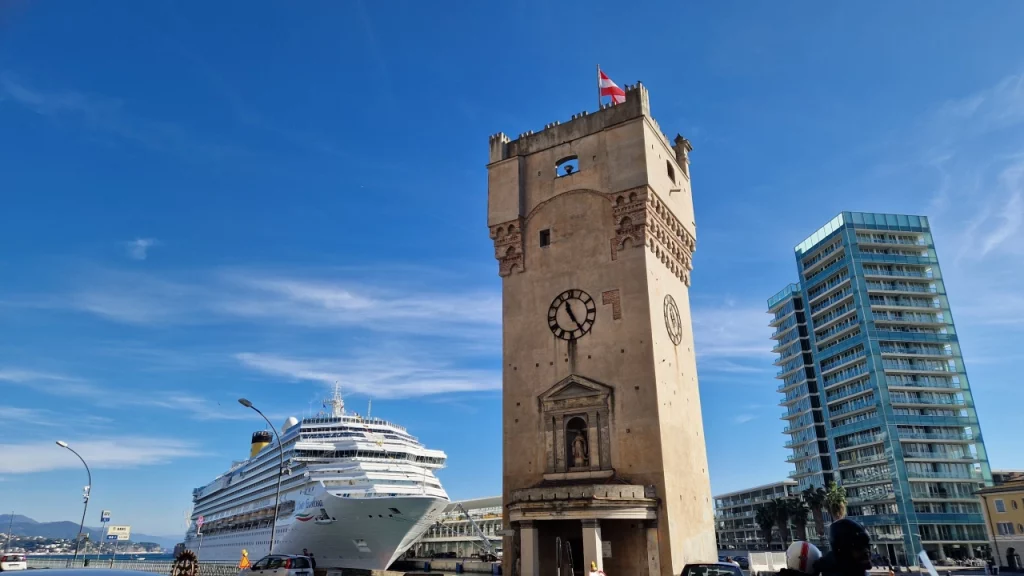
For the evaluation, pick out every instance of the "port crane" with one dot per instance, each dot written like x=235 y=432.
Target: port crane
x=486 y=543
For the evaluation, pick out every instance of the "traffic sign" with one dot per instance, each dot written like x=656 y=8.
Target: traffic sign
x=105 y=516
x=119 y=532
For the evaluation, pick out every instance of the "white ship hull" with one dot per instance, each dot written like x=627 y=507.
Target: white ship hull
x=354 y=533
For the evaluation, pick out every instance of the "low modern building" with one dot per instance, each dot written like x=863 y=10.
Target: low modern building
x=735 y=527
x=1004 y=516
x=1000 y=477
x=454 y=533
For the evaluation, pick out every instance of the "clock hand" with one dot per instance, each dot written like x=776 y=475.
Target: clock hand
x=568 y=308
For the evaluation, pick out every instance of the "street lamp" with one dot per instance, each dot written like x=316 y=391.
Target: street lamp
x=280 y=473
x=81 y=525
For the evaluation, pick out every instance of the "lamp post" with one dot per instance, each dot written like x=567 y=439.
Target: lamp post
x=81 y=525
x=280 y=472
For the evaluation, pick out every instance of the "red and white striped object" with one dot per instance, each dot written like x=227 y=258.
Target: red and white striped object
x=802 y=556
x=610 y=89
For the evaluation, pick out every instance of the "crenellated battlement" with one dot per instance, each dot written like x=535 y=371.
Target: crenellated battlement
x=637 y=104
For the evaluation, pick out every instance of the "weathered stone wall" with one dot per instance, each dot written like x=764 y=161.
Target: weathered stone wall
x=621 y=229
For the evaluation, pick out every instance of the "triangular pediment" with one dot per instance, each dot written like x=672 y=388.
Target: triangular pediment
x=575 y=386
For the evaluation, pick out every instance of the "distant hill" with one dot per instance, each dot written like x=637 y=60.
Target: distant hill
x=25 y=526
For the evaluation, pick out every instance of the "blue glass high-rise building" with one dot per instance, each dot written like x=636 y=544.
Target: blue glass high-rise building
x=875 y=389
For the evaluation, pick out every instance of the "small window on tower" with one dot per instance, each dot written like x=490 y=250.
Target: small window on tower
x=567 y=166
x=545 y=238
x=671 y=170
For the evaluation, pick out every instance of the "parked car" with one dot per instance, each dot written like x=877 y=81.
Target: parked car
x=280 y=565
x=13 y=562
x=712 y=569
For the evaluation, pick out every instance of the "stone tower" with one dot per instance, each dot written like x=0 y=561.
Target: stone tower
x=604 y=454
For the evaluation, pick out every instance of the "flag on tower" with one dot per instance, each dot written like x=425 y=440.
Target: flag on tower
x=605 y=87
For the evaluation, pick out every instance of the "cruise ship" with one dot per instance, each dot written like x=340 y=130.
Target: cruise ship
x=356 y=492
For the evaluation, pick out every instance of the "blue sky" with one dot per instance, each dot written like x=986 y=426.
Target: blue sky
x=207 y=201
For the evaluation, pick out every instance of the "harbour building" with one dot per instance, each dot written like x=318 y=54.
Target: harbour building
x=875 y=392
x=735 y=526
x=462 y=528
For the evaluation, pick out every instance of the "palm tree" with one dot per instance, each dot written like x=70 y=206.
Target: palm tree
x=835 y=501
x=765 y=518
x=815 y=498
x=798 y=512
x=782 y=519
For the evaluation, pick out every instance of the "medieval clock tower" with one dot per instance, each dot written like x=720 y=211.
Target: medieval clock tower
x=604 y=453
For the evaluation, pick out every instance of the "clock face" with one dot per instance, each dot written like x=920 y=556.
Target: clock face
x=571 y=314
x=673 y=322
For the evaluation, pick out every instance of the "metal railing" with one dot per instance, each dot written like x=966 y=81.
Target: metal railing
x=160 y=566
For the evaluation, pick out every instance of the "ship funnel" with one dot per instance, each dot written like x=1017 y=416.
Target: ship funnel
x=260 y=440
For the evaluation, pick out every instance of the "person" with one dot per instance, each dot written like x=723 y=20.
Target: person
x=243 y=564
x=312 y=560
x=851 y=550
x=732 y=561
x=801 y=558
x=594 y=571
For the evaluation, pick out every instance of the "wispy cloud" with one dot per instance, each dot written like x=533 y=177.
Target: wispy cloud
x=102 y=114
x=978 y=207
x=994 y=108
x=48 y=382
x=743 y=418
x=187 y=404
x=23 y=376
x=138 y=249
x=732 y=339
x=100 y=453
x=376 y=375
x=33 y=416
x=295 y=300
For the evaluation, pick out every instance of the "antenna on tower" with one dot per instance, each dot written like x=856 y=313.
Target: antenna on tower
x=335 y=402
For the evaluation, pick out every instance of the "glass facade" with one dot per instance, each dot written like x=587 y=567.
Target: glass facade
x=875 y=389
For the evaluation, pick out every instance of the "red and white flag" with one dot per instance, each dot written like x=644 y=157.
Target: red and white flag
x=608 y=88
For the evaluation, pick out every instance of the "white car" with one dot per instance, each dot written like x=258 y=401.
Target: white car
x=13 y=562
x=280 y=565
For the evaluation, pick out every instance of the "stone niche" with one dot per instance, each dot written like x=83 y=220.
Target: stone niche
x=577 y=417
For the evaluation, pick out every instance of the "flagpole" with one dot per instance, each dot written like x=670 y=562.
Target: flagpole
x=598 y=86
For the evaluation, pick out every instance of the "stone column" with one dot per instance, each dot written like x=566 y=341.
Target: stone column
x=593 y=444
x=529 y=549
x=970 y=550
x=941 y=552
x=653 y=550
x=592 y=545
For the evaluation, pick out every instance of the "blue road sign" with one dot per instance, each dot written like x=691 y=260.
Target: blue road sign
x=111 y=536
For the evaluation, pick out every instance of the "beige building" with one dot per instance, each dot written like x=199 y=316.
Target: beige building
x=1004 y=519
x=604 y=454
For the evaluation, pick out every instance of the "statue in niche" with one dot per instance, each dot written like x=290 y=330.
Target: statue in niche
x=579 y=450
